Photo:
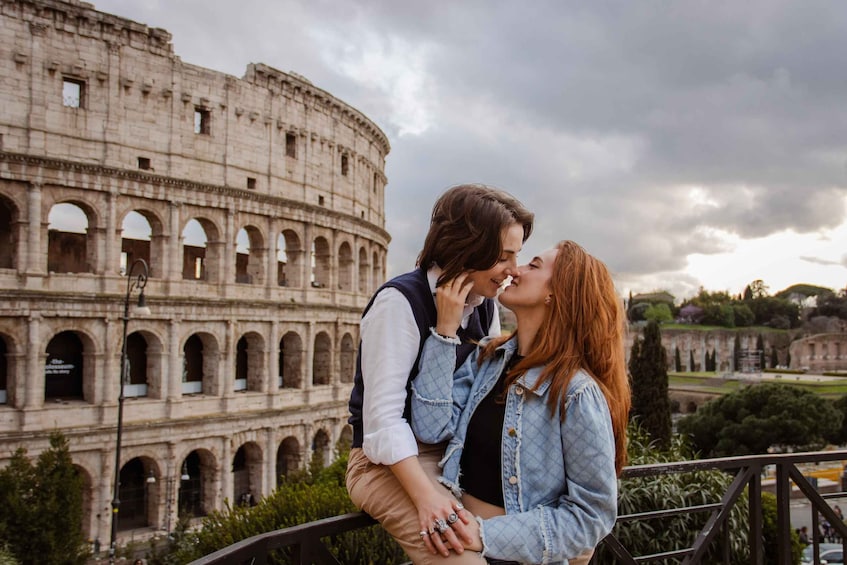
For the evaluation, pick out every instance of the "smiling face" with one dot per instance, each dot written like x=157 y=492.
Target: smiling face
x=487 y=283
x=531 y=286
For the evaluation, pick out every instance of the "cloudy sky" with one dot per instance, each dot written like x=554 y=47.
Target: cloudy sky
x=684 y=143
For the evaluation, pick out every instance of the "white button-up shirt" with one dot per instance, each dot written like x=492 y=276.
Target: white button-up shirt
x=390 y=343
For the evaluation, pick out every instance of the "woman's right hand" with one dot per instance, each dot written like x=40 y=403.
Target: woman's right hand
x=450 y=300
x=457 y=536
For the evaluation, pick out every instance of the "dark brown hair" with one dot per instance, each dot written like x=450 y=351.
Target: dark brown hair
x=466 y=228
x=583 y=329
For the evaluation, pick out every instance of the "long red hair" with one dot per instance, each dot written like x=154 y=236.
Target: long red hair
x=583 y=329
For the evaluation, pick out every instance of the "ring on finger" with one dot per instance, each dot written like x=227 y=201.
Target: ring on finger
x=458 y=507
x=441 y=525
x=423 y=533
x=452 y=518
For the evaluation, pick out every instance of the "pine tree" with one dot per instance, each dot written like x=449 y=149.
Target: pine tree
x=41 y=507
x=648 y=368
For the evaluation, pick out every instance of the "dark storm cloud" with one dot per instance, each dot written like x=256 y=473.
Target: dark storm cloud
x=646 y=131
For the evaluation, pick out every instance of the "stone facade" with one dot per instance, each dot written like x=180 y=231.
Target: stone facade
x=261 y=208
x=821 y=352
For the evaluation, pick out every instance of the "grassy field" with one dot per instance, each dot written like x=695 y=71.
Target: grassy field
x=713 y=382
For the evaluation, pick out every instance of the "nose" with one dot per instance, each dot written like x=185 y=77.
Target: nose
x=512 y=267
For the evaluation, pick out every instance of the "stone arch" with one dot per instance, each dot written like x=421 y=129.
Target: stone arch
x=150 y=355
x=250 y=256
x=322 y=359
x=345 y=267
x=138 y=494
x=321 y=448
x=321 y=263
x=201 y=354
x=249 y=362
x=70 y=245
x=288 y=458
x=142 y=237
x=4 y=370
x=290 y=361
x=347 y=358
x=9 y=215
x=196 y=493
x=201 y=250
x=289 y=259
x=68 y=370
x=247 y=474
x=364 y=287
x=87 y=500
x=345 y=438
x=376 y=271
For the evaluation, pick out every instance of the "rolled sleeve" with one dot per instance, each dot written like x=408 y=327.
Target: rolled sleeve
x=390 y=340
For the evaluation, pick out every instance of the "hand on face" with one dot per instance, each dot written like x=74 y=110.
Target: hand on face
x=450 y=300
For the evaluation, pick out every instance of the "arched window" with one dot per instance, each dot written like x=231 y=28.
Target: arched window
x=321 y=449
x=287 y=458
x=8 y=245
x=138 y=504
x=136 y=353
x=247 y=474
x=320 y=263
x=63 y=372
x=135 y=241
x=364 y=287
x=192 y=374
x=348 y=359
x=194 y=251
x=241 y=364
x=193 y=484
x=345 y=267
x=68 y=246
x=290 y=355
x=322 y=361
x=289 y=255
x=4 y=369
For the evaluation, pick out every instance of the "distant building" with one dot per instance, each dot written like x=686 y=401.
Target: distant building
x=258 y=204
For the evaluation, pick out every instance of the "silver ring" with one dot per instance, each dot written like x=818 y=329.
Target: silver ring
x=441 y=525
x=458 y=507
x=452 y=518
x=423 y=533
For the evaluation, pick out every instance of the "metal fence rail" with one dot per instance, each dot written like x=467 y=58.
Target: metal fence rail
x=308 y=548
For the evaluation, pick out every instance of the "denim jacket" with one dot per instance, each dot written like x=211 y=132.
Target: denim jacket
x=559 y=481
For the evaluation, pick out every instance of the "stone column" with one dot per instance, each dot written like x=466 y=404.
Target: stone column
x=173 y=385
x=172 y=268
x=34 y=376
x=36 y=257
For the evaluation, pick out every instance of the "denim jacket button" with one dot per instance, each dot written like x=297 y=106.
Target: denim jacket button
x=513 y=480
x=519 y=390
x=513 y=432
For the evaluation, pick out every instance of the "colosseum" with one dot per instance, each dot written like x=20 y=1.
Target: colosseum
x=252 y=208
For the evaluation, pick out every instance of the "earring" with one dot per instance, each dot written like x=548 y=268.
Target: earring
x=549 y=299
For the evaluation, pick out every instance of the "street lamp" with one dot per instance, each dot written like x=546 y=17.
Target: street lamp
x=138 y=281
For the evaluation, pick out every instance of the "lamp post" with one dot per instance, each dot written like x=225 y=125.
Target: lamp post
x=138 y=282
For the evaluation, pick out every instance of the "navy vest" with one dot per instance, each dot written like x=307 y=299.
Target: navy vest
x=415 y=287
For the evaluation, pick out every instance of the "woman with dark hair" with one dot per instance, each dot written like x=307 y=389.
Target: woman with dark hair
x=536 y=421
x=475 y=230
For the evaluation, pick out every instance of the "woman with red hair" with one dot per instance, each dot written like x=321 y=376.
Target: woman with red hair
x=536 y=421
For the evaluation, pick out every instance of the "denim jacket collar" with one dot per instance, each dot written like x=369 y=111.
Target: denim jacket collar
x=529 y=379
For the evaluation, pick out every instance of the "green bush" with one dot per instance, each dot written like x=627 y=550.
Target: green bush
x=770 y=534
x=320 y=493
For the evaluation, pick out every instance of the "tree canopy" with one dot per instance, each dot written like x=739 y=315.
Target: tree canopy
x=757 y=417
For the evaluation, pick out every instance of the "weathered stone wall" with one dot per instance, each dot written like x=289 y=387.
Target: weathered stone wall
x=274 y=357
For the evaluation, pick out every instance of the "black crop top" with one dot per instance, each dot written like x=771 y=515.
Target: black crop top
x=481 y=461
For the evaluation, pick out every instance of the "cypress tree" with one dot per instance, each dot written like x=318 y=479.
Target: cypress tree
x=736 y=354
x=677 y=362
x=760 y=345
x=690 y=360
x=774 y=357
x=648 y=368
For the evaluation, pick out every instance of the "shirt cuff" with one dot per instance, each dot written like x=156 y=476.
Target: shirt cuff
x=444 y=338
x=390 y=445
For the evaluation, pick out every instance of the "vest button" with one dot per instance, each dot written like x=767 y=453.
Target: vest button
x=519 y=390
x=513 y=480
x=513 y=432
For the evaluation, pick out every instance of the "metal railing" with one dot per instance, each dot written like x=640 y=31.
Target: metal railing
x=306 y=545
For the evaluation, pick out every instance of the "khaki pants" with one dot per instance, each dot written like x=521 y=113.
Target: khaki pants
x=376 y=490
